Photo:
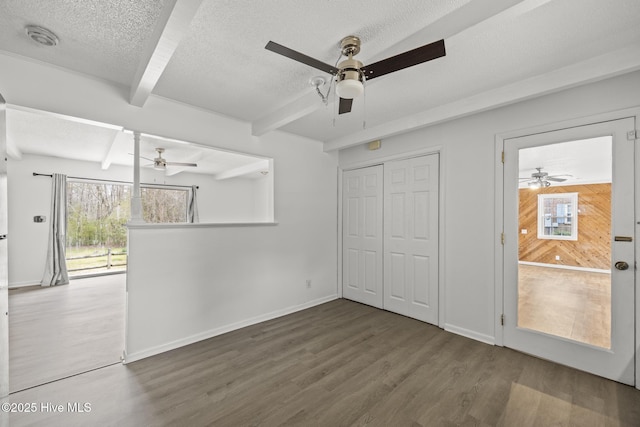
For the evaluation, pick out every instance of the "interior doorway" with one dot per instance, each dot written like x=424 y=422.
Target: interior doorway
x=61 y=331
x=569 y=231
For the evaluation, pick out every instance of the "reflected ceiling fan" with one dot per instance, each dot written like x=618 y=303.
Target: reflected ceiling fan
x=541 y=179
x=160 y=163
x=351 y=74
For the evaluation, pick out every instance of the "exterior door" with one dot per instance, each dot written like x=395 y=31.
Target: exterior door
x=569 y=250
x=362 y=235
x=411 y=237
x=4 y=278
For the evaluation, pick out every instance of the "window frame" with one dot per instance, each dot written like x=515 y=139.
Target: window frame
x=573 y=215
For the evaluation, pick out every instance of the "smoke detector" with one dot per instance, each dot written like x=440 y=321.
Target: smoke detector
x=41 y=35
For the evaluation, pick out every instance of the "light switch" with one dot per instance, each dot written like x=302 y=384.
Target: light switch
x=523 y=231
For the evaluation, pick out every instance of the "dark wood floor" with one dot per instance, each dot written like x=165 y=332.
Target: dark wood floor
x=59 y=331
x=340 y=363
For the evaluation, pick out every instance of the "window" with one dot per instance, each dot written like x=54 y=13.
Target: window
x=557 y=216
x=96 y=216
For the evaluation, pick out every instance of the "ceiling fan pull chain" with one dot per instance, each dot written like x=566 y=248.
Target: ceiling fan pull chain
x=364 y=102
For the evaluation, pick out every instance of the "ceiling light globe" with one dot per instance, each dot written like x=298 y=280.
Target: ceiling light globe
x=349 y=89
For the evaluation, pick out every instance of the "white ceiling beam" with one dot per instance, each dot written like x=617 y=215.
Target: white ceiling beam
x=172 y=25
x=243 y=170
x=461 y=19
x=301 y=107
x=108 y=156
x=611 y=64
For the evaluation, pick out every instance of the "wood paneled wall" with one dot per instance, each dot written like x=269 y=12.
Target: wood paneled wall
x=593 y=247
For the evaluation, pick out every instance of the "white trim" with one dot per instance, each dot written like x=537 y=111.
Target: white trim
x=487 y=339
x=128 y=358
x=565 y=267
x=186 y=225
x=17 y=285
x=441 y=248
x=437 y=149
x=498 y=247
x=637 y=245
x=571 y=123
x=339 y=171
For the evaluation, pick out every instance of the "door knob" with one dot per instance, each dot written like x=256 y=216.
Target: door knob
x=621 y=265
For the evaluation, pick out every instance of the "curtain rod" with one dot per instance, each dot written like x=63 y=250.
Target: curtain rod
x=115 y=180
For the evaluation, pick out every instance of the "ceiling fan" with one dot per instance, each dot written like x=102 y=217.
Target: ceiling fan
x=160 y=163
x=541 y=179
x=351 y=74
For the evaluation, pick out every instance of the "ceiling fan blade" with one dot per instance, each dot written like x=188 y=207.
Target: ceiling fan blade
x=142 y=157
x=300 y=57
x=555 y=179
x=345 y=105
x=405 y=60
x=180 y=164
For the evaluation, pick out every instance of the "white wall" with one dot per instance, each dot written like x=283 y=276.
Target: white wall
x=468 y=164
x=230 y=200
x=194 y=282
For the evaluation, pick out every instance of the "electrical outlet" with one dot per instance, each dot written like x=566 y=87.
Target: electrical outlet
x=308 y=283
x=557 y=257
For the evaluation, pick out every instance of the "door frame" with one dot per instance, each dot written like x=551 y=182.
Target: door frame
x=4 y=262
x=436 y=149
x=499 y=209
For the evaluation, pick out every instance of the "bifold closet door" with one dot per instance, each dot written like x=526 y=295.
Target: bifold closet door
x=411 y=237
x=362 y=235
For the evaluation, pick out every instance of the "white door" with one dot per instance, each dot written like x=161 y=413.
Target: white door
x=362 y=235
x=411 y=237
x=4 y=279
x=569 y=280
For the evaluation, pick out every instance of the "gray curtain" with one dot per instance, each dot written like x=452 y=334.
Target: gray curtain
x=192 y=210
x=55 y=270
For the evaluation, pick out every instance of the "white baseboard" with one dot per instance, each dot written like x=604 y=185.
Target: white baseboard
x=128 y=358
x=15 y=285
x=565 y=267
x=487 y=339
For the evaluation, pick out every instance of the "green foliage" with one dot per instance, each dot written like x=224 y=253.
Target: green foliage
x=97 y=212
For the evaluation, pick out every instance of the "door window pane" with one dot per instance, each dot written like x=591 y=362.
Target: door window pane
x=564 y=278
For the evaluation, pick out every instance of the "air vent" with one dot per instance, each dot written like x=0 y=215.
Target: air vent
x=41 y=35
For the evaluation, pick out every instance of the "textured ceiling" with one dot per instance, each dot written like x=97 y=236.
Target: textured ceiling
x=97 y=37
x=212 y=53
x=224 y=49
x=583 y=161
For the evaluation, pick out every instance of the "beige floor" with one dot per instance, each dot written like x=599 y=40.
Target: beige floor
x=567 y=303
x=55 y=332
